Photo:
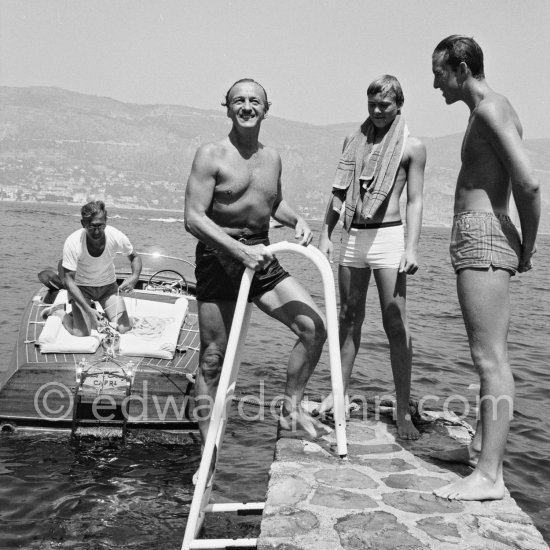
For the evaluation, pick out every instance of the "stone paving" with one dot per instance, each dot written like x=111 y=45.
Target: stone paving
x=381 y=497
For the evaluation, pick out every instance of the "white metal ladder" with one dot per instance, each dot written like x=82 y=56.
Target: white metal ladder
x=226 y=388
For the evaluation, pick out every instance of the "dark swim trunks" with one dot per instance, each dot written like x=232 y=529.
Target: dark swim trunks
x=219 y=275
x=484 y=239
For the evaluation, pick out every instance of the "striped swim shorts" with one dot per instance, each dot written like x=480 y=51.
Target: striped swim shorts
x=483 y=239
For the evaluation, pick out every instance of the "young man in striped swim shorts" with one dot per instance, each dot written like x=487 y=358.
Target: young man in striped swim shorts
x=486 y=250
x=377 y=163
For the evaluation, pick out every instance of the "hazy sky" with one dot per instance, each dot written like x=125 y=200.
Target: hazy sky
x=314 y=57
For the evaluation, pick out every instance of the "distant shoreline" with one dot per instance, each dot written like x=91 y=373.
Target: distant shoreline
x=78 y=205
x=55 y=203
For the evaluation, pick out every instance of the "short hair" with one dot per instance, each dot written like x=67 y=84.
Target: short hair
x=91 y=209
x=387 y=83
x=459 y=48
x=225 y=103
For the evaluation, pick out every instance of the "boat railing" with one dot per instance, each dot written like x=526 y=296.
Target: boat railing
x=155 y=255
x=218 y=420
x=163 y=267
x=158 y=255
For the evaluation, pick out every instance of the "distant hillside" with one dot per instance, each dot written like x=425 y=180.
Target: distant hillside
x=61 y=145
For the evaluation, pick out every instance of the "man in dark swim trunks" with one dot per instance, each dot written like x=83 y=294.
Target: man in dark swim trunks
x=486 y=250
x=233 y=190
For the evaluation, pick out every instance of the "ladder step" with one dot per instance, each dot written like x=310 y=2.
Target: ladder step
x=98 y=432
x=209 y=544
x=242 y=508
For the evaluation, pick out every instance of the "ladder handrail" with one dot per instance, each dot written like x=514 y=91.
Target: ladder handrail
x=321 y=262
x=229 y=372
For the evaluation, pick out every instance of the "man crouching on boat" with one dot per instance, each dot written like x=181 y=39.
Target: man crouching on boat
x=88 y=272
x=233 y=189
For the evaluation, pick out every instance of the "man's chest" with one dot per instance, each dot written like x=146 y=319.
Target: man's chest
x=247 y=177
x=91 y=249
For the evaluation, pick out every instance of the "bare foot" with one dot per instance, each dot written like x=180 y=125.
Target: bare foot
x=327 y=406
x=58 y=309
x=211 y=470
x=299 y=418
x=406 y=429
x=461 y=455
x=477 y=486
x=196 y=478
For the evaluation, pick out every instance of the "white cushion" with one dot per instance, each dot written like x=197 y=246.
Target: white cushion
x=156 y=327
x=55 y=338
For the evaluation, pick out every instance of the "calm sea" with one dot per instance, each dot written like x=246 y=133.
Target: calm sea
x=104 y=495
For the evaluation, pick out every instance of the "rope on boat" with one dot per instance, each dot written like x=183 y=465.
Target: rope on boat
x=149 y=327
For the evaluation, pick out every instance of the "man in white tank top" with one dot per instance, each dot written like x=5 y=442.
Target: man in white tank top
x=88 y=272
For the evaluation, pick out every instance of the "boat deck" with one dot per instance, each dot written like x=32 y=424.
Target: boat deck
x=41 y=387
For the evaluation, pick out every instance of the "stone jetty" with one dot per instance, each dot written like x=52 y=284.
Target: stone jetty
x=381 y=497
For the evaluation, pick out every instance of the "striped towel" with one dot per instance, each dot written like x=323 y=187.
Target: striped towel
x=375 y=170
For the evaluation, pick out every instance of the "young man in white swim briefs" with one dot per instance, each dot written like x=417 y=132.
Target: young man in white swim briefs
x=377 y=163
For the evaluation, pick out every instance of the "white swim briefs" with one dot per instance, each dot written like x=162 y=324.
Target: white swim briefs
x=379 y=247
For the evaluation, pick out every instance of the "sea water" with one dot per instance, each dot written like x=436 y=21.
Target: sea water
x=102 y=494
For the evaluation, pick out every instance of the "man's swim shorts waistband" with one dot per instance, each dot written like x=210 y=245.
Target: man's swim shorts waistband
x=480 y=214
x=378 y=225
x=244 y=237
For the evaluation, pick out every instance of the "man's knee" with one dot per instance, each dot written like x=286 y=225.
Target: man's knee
x=80 y=330
x=489 y=364
x=395 y=323
x=122 y=322
x=212 y=361
x=312 y=331
x=352 y=313
x=321 y=331
x=310 y=328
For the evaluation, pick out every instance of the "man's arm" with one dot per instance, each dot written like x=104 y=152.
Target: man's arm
x=415 y=188
x=283 y=213
x=76 y=294
x=130 y=282
x=504 y=137
x=331 y=219
x=199 y=195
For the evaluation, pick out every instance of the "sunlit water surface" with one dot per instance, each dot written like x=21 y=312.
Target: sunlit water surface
x=101 y=494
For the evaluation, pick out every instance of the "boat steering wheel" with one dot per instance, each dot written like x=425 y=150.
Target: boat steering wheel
x=176 y=286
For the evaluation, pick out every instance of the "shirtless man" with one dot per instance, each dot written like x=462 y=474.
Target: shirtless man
x=233 y=189
x=88 y=272
x=377 y=244
x=486 y=250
